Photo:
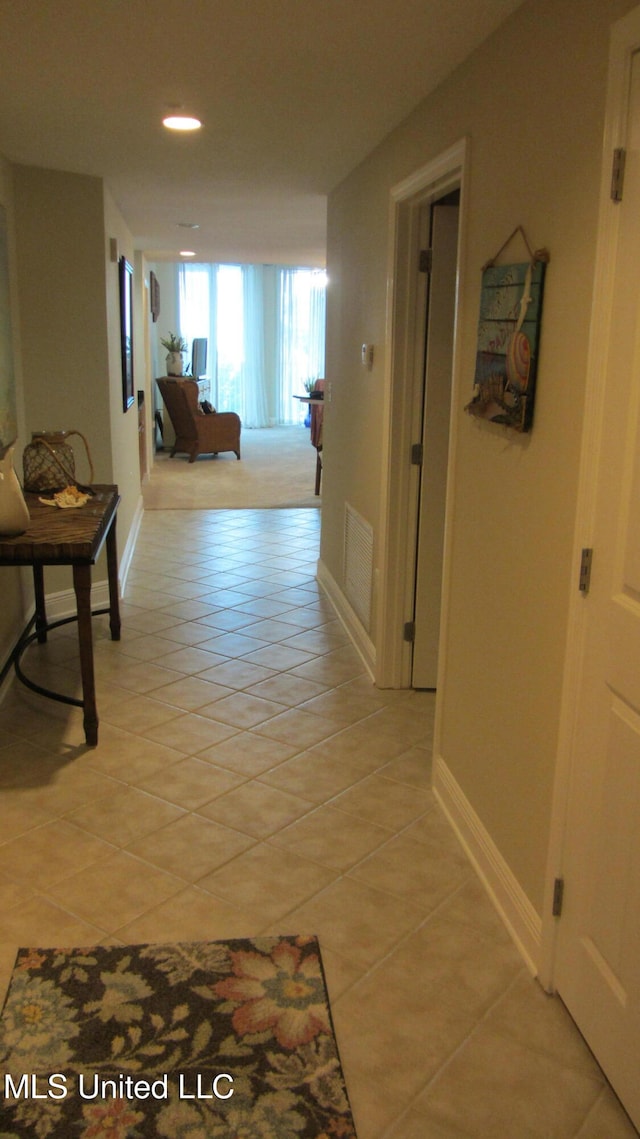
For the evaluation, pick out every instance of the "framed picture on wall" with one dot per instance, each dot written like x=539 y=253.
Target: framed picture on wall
x=154 y=296
x=508 y=342
x=125 y=271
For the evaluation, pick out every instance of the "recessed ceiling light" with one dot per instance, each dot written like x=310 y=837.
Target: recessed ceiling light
x=188 y=225
x=187 y=253
x=181 y=123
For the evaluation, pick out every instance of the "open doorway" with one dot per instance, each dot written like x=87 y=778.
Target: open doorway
x=418 y=413
x=438 y=262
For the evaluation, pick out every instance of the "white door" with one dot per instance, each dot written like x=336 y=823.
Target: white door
x=597 y=970
x=435 y=443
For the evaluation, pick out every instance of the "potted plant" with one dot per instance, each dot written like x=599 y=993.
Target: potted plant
x=176 y=347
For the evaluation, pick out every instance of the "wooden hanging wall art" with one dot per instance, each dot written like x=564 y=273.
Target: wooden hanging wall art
x=508 y=339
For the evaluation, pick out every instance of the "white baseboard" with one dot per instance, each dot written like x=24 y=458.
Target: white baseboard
x=519 y=916
x=351 y=623
x=8 y=643
x=58 y=606
x=127 y=555
x=63 y=604
x=8 y=646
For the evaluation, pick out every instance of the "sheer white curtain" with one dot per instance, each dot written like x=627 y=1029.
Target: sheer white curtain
x=198 y=310
x=301 y=326
x=228 y=346
x=255 y=374
x=265 y=330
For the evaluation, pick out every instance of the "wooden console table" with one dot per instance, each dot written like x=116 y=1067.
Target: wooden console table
x=69 y=538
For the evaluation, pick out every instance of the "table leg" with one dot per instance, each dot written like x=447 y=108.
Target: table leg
x=112 y=571
x=41 y=612
x=82 y=587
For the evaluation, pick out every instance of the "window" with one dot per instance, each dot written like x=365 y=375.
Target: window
x=265 y=326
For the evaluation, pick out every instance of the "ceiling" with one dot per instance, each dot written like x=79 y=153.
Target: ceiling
x=293 y=94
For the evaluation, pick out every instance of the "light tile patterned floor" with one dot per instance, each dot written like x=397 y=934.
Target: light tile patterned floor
x=250 y=779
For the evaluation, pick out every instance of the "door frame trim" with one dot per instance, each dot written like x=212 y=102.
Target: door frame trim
x=396 y=526
x=624 y=42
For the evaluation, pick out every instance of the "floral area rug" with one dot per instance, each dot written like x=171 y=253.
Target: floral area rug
x=211 y=1040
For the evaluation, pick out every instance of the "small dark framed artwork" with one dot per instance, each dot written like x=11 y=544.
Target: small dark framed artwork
x=125 y=271
x=154 y=296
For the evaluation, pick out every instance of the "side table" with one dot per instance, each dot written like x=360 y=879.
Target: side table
x=75 y=538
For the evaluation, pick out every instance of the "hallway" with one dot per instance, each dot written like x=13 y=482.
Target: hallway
x=250 y=779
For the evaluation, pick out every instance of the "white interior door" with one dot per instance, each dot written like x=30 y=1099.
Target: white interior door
x=435 y=442
x=597 y=970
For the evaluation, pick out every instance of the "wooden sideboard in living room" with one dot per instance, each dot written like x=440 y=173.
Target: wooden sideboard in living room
x=168 y=434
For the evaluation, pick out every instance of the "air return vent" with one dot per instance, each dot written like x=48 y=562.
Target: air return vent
x=358 y=563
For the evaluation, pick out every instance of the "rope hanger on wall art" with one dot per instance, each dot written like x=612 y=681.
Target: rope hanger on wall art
x=508 y=338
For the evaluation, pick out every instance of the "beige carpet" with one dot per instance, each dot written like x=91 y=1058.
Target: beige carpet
x=277 y=469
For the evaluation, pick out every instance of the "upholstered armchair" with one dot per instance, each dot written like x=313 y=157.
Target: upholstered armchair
x=197 y=433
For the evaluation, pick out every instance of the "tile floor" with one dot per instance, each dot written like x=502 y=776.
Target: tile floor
x=250 y=779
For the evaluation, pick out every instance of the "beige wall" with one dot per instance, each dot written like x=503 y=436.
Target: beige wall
x=123 y=425
x=168 y=321
x=63 y=332
x=59 y=260
x=531 y=102
x=13 y=584
x=69 y=329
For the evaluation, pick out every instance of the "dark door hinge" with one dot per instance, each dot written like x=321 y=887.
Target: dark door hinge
x=585 y=569
x=425 y=263
x=417 y=453
x=617 y=173
x=558 y=895
x=410 y=631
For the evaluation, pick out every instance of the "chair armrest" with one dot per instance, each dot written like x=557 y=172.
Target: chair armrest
x=219 y=431
x=226 y=417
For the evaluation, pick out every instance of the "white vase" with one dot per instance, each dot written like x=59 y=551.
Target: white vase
x=14 y=512
x=175 y=363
